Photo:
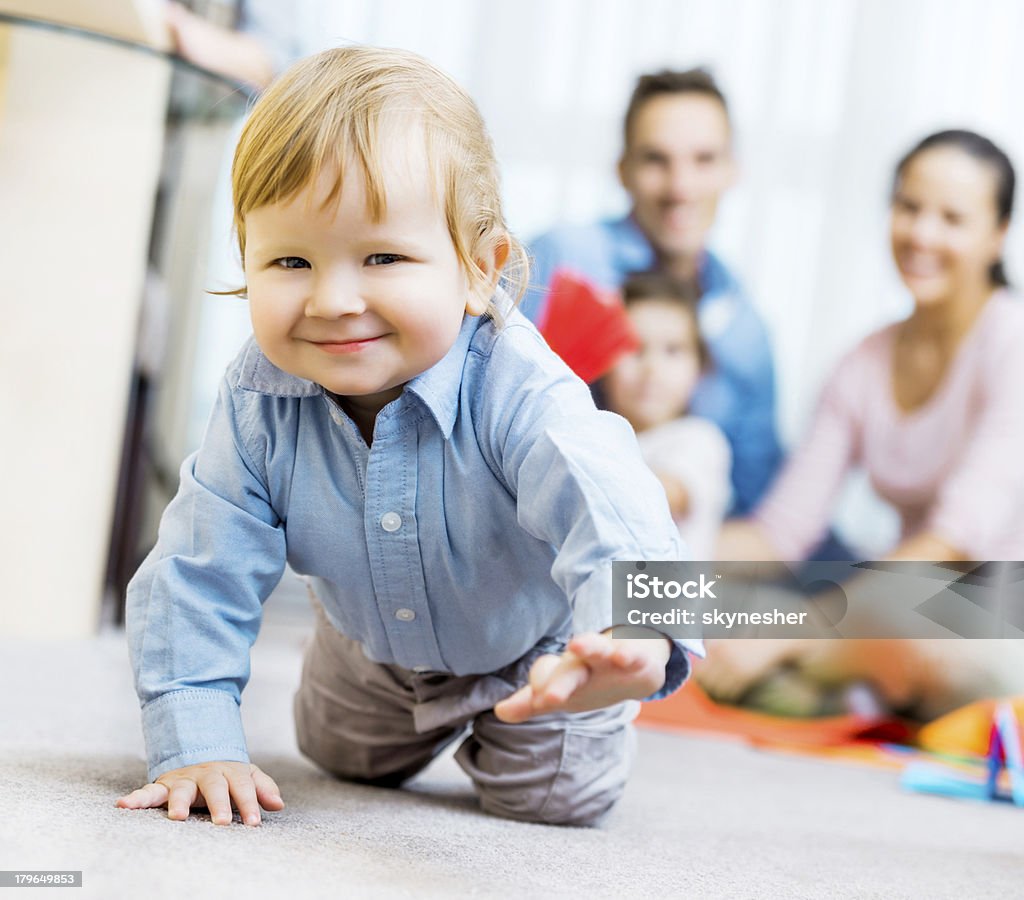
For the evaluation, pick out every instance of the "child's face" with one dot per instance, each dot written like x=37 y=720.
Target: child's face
x=653 y=385
x=358 y=307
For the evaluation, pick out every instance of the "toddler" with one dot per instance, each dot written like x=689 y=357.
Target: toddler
x=652 y=388
x=400 y=434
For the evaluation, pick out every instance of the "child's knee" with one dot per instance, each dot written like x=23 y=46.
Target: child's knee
x=582 y=795
x=556 y=776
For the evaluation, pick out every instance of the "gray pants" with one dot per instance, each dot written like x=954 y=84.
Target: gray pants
x=381 y=724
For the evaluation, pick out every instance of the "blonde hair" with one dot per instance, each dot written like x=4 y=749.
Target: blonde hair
x=328 y=111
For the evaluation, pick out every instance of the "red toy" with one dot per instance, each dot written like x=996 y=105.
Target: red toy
x=586 y=326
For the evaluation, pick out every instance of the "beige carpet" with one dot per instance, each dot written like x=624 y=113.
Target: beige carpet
x=701 y=818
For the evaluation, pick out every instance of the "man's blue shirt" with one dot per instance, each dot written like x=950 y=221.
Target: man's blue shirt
x=480 y=523
x=739 y=393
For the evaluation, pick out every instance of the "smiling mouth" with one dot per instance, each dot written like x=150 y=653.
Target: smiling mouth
x=338 y=347
x=918 y=268
x=677 y=216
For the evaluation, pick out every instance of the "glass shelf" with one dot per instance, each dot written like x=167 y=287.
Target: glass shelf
x=195 y=91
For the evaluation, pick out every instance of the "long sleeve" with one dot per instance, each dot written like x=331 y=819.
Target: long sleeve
x=797 y=511
x=580 y=482
x=195 y=604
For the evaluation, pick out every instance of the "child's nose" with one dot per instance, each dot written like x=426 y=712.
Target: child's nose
x=335 y=296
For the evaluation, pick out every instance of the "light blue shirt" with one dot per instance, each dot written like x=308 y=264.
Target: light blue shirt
x=480 y=523
x=738 y=394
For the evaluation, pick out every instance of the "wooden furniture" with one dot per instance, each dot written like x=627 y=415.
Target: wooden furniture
x=83 y=123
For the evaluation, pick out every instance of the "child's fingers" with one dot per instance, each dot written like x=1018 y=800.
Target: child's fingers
x=180 y=797
x=517 y=707
x=600 y=649
x=267 y=791
x=218 y=785
x=627 y=656
x=592 y=647
x=145 y=797
x=216 y=793
x=542 y=670
x=243 y=791
x=556 y=681
x=528 y=701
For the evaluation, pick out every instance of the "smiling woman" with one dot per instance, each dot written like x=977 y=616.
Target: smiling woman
x=951 y=206
x=929 y=406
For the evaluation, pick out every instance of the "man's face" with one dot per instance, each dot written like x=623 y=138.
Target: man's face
x=677 y=164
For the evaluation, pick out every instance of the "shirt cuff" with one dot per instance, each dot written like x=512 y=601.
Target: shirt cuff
x=677 y=669
x=192 y=726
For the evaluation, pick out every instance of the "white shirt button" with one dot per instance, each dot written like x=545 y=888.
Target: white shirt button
x=405 y=615
x=391 y=521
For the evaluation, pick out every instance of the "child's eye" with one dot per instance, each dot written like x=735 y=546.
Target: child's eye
x=383 y=259
x=292 y=262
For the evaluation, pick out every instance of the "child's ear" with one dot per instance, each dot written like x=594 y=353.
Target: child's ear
x=480 y=296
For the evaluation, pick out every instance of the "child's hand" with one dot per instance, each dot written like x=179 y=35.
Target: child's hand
x=213 y=784
x=593 y=672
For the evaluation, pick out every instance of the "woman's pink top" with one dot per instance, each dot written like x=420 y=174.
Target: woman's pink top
x=953 y=467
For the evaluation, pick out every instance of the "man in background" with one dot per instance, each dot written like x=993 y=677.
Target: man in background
x=676 y=163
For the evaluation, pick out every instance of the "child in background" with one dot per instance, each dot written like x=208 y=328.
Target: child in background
x=651 y=388
x=400 y=434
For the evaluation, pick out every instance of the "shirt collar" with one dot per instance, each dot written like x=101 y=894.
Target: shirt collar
x=714 y=277
x=257 y=373
x=440 y=386
x=635 y=254
x=632 y=249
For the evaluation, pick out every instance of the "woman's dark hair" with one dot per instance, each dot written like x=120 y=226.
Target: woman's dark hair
x=685 y=293
x=983 y=150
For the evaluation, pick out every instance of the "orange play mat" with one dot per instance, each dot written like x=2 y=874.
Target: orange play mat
x=848 y=736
